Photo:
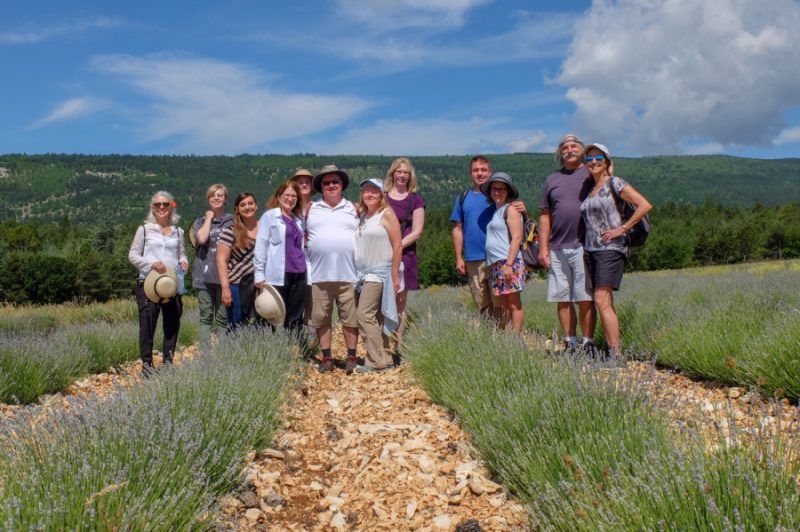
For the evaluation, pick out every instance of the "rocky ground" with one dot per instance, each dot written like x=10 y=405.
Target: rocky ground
x=368 y=452
x=372 y=452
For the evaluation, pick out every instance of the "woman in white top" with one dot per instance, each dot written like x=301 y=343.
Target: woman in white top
x=280 y=259
x=378 y=249
x=159 y=245
x=503 y=257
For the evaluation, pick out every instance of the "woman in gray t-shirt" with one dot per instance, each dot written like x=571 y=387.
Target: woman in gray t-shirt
x=605 y=244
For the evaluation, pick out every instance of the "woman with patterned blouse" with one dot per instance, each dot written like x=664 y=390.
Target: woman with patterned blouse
x=235 y=261
x=605 y=243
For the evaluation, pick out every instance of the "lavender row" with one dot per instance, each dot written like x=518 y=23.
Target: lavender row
x=154 y=457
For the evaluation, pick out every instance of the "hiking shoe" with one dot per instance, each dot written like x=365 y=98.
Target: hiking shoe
x=326 y=366
x=396 y=358
x=570 y=349
x=351 y=365
x=370 y=369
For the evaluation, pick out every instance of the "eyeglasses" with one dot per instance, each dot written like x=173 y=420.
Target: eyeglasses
x=162 y=204
x=329 y=183
x=289 y=196
x=590 y=158
x=498 y=189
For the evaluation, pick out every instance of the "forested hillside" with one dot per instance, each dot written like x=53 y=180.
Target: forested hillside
x=116 y=188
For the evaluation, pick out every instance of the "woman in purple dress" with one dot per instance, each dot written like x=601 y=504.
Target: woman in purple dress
x=401 y=186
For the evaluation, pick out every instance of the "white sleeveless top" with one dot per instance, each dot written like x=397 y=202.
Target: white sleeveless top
x=372 y=245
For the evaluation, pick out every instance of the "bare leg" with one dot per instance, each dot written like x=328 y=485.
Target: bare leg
x=516 y=313
x=402 y=298
x=324 y=337
x=604 y=298
x=350 y=337
x=588 y=318
x=567 y=318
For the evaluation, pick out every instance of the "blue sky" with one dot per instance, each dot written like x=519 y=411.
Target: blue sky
x=400 y=77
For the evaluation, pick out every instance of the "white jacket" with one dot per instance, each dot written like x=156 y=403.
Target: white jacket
x=270 y=252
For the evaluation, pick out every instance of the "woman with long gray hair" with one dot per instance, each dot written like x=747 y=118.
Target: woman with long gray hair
x=159 y=247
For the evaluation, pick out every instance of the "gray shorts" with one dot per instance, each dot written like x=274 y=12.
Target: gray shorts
x=566 y=281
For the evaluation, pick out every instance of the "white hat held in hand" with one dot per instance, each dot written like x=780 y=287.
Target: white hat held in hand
x=269 y=305
x=161 y=287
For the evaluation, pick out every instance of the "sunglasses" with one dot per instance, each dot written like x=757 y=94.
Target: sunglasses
x=329 y=183
x=590 y=158
x=162 y=204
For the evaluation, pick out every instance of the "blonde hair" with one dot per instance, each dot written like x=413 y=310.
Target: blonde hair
x=362 y=207
x=388 y=183
x=299 y=207
x=216 y=186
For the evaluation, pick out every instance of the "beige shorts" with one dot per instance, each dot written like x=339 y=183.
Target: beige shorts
x=479 y=275
x=324 y=294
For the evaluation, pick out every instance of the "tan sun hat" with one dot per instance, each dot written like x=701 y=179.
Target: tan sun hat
x=301 y=172
x=161 y=287
x=269 y=305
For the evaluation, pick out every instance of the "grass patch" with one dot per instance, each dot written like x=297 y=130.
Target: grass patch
x=33 y=364
x=152 y=458
x=737 y=325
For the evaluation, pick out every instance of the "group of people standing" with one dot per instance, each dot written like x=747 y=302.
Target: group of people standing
x=316 y=255
x=361 y=258
x=582 y=237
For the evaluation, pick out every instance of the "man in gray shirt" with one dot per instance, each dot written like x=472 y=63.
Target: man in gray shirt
x=561 y=235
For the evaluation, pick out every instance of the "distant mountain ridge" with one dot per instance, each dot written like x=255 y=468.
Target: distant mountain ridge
x=116 y=188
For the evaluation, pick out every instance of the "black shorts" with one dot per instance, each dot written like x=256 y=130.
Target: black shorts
x=604 y=268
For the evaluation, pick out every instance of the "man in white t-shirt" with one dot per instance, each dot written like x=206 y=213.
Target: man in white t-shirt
x=331 y=225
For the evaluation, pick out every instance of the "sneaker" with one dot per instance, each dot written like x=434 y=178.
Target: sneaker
x=326 y=366
x=588 y=349
x=370 y=369
x=569 y=349
x=351 y=365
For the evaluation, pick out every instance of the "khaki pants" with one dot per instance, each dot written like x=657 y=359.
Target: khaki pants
x=479 y=275
x=370 y=326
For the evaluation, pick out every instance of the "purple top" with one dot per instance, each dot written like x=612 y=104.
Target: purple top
x=295 y=257
x=562 y=195
x=404 y=210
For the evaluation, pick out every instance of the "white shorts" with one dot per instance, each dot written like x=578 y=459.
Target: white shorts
x=566 y=281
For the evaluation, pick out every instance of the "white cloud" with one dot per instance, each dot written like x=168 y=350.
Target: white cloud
x=208 y=106
x=659 y=76
x=433 y=137
x=390 y=15
x=381 y=50
x=534 y=142
x=37 y=35
x=72 y=108
x=788 y=136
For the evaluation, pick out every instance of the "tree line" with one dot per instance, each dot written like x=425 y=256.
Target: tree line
x=43 y=263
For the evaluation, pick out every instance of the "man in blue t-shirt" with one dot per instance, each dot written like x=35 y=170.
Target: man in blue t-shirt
x=472 y=212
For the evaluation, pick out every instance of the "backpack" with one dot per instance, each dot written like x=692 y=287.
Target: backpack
x=637 y=236
x=530 y=243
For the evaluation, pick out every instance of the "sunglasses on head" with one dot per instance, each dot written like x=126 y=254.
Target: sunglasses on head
x=590 y=158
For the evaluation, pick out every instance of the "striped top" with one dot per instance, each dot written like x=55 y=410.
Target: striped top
x=240 y=262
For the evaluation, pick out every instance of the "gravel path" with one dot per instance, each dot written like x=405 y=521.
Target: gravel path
x=367 y=452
